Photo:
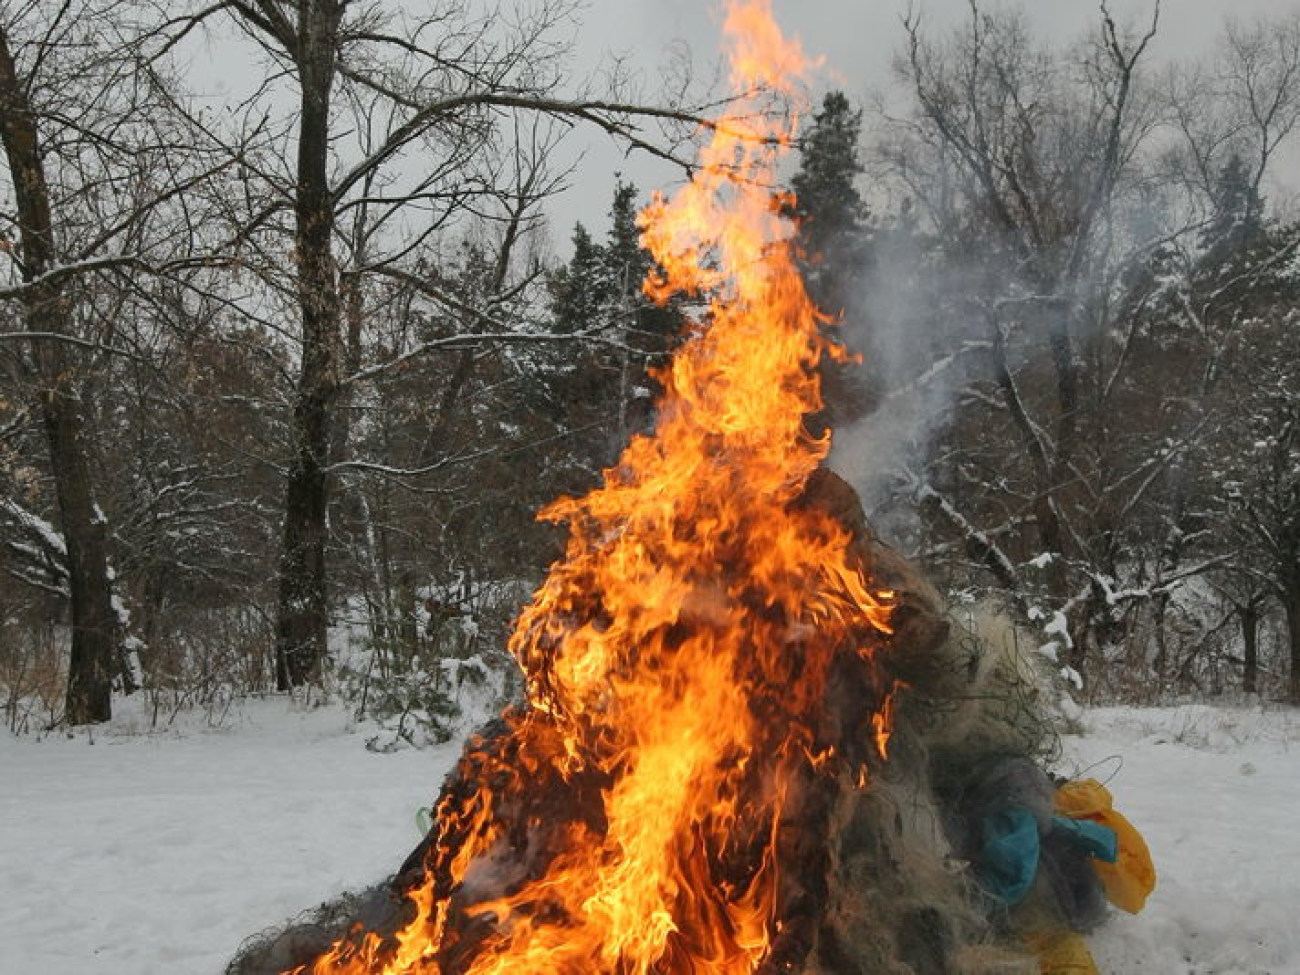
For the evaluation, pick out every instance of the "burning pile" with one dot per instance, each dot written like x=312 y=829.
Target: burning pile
x=695 y=784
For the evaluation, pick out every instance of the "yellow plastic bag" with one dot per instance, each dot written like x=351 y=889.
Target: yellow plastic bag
x=1061 y=953
x=1132 y=876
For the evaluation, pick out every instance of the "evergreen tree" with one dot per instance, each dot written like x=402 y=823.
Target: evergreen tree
x=640 y=322
x=603 y=393
x=1237 y=223
x=578 y=290
x=831 y=212
x=832 y=239
x=624 y=254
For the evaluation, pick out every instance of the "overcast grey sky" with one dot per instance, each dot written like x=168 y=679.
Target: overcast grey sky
x=855 y=39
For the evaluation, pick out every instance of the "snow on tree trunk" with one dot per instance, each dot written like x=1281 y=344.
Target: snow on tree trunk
x=96 y=635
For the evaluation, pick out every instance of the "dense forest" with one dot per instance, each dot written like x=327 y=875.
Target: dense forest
x=286 y=376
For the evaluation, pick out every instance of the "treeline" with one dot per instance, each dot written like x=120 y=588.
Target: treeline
x=293 y=355
x=1079 y=313
x=298 y=357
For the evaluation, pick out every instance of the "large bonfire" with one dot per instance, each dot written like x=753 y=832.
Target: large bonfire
x=661 y=803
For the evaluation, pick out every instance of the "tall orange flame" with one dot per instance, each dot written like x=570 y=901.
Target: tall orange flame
x=677 y=658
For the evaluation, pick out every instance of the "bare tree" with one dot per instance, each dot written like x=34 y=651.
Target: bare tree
x=1243 y=103
x=95 y=170
x=1099 y=248
x=404 y=127
x=1023 y=163
x=1230 y=297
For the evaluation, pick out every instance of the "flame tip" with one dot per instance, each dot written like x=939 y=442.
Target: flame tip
x=677 y=658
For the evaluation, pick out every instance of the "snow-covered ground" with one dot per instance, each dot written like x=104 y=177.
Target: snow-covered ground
x=1216 y=794
x=133 y=853
x=159 y=853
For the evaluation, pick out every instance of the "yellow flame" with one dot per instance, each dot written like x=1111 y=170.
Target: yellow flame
x=679 y=653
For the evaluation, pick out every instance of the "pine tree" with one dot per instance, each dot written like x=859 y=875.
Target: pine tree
x=831 y=212
x=605 y=390
x=579 y=289
x=641 y=323
x=833 y=242
x=1237 y=222
x=624 y=254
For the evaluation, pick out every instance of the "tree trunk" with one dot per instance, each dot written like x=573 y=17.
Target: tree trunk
x=96 y=632
x=302 y=614
x=1250 y=647
x=1292 y=604
x=1049 y=471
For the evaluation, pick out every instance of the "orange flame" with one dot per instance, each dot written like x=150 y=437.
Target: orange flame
x=678 y=656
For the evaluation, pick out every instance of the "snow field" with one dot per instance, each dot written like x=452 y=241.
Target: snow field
x=135 y=853
x=153 y=853
x=1216 y=794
